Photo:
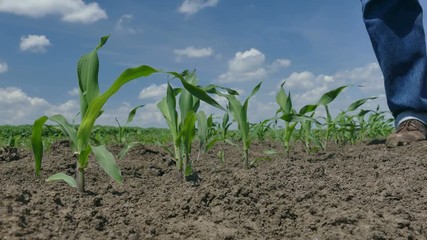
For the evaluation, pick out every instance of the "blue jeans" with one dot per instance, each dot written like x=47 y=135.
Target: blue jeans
x=396 y=30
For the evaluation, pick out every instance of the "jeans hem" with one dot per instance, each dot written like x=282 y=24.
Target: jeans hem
x=407 y=115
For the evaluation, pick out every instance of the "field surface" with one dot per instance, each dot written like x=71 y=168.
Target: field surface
x=362 y=191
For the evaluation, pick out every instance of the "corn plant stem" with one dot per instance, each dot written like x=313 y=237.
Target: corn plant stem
x=246 y=158
x=184 y=168
x=178 y=157
x=80 y=179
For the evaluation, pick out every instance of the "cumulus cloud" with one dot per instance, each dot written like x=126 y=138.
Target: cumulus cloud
x=369 y=77
x=245 y=66
x=251 y=65
x=153 y=91
x=307 y=88
x=34 y=43
x=279 y=64
x=124 y=22
x=190 y=7
x=73 y=92
x=17 y=107
x=3 y=67
x=192 y=52
x=69 y=10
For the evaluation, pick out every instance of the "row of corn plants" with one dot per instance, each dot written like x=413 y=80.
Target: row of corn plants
x=186 y=123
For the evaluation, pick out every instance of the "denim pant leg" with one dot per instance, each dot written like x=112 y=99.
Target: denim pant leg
x=395 y=28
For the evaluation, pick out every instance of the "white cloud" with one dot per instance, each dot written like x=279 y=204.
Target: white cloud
x=73 y=92
x=16 y=107
x=193 y=6
x=69 y=110
x=251 y=65
x=34 y=43
x=278 y=64
x=192 y=52
x=69 y=10
x=245 y=66
x=153 y=91
x=147 y=116
x=307 y=88
x=369 y=77
x=123 y=24
x=3 y=67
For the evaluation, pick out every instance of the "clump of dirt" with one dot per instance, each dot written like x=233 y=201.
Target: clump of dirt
x=8 y=154
x=362 y=191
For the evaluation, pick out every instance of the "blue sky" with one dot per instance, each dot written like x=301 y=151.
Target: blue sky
x=313 y=45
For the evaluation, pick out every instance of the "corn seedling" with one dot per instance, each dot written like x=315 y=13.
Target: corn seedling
x=205 y=133
x=122 y=136
x=291 y=117
x=239 y=112
x=261 y=129
x=91 y=103
x=182 y=126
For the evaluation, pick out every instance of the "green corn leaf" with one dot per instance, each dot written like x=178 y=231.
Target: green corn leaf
x=126 y=149
x=37 y=144
x=87 y=73
x=355 y=105
x=212 y=89
x=307 y=109
x=212 y=143
x=66 y=128
x=363 y=112
x=202 y=127
x=107 y=162
x=83 y=157
x=270 y=152
x=167 y=107
x=96 y=105
x=292 y=117
x=64 y=177
x=187 y=102
x=225 y=120
x=197 y=92
x=132 y=114
x=188 y=131
x=281 y=99
x=330 y=96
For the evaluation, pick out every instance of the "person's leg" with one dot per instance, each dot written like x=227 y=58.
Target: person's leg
x=396 y=31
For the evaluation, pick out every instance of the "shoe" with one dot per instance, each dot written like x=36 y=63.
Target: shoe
x=408 y=131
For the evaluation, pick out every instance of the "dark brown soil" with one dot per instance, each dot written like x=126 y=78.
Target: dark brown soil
x=363 y=191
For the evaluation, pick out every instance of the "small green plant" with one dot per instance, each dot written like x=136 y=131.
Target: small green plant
x=182 y=126
x=91 y=103
x=291 y=117
x=261 y=129
x=123 y=135
x=239 y=112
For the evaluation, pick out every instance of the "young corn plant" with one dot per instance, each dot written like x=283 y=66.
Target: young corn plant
x=347 y=125
x=91 y=103
x=239 y=112
x=220 y=131
x=261 y=129
x=122 y=136
x=205 y=133
x=182 y=126
x=292 y=118
x=374 y=124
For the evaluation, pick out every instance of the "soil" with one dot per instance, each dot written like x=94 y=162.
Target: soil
x=362 y=191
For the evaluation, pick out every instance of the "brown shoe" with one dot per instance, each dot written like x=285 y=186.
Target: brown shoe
x=408 y=131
